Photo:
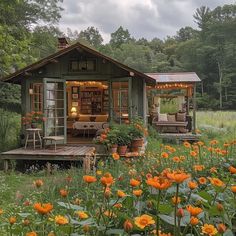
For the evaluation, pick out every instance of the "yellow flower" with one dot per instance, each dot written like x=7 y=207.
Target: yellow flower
x=82 y=215
x=99 y=172
x=209 y=230
x=120 y=193
x=61 y=220
x=143 y=221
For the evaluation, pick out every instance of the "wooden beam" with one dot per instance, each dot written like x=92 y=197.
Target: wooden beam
x=54 y=61
x=194 y=109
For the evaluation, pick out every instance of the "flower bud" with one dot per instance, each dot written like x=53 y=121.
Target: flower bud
x=128 y=226
x=219 y=206
x=86 y=228
x=221 y=228
x=180 y=213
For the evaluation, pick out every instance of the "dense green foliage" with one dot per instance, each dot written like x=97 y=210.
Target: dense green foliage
x=209 y=50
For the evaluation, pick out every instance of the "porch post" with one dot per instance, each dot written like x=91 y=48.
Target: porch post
x=194 y=109
x=110 y=101
x=144 y=103
x=130 y=102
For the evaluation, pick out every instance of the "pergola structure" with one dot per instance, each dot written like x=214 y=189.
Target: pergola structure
x=180 y=85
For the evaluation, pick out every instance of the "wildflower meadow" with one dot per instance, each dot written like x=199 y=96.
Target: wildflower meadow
x=187 y=189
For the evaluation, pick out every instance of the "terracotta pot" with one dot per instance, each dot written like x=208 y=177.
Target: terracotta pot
x=113 y=148
x=122 y=150
x=136 y=144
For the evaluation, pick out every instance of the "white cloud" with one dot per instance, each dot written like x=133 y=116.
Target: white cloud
x=143 y=18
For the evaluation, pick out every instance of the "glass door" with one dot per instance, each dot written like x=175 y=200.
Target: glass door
x=54 y=107
x=120 y=98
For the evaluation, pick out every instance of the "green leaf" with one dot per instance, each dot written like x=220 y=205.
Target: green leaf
x=228 y=233
x=206 y=196
x=165 y=208
x=89 y=221
x=170 y=220
x=115 y=232
x=70 y=206
x=24 y=215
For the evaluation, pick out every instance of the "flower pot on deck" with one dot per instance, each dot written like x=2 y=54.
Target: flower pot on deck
x=136 y=144
x=113 y=148
x=122 y=150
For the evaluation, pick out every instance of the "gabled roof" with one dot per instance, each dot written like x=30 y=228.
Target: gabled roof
x=49 y=59
x=181 y=77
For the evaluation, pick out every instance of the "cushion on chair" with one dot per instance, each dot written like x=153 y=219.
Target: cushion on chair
x=181 y=116
x=162 y=117
x=171 y=118
x=84 y=118
x=101 y=118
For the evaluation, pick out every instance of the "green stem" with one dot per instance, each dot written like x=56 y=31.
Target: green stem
x=176 y=198
x=158 y=204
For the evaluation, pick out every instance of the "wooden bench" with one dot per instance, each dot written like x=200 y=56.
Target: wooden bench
x=53 y=139
x=164 y=124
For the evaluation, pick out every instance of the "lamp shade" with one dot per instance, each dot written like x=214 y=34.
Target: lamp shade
x=73 y=109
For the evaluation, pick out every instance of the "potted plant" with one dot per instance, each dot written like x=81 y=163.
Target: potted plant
x=137 y=133
x=123 y=139
x=112 y=139
x=34 y=119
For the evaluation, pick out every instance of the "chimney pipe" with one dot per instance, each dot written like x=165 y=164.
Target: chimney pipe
x=62 y=43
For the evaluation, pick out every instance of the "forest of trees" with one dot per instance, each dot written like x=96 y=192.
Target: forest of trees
x=30 y=33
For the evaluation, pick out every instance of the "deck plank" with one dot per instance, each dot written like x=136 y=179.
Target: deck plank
x=62 y=153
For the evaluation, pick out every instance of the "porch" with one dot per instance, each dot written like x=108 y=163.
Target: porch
x=81 y=153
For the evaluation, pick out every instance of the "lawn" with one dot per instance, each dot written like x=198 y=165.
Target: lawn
x=173 y=190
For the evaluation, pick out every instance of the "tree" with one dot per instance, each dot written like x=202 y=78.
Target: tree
x=92 y=36
x=119 y=37
x=185 y=34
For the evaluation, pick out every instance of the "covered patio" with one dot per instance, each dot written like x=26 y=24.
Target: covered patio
x=172 y=104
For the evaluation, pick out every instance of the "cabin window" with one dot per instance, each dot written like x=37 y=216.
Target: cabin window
x=82 y=65
x=37 y=97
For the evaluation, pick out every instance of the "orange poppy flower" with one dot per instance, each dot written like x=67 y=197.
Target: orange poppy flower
x=116 y=156
x=82 y=215
x=202 y=180
x=213 y=142
x=12 y=220
x=118 y=205
x=233 y=188
x=194 y=211
x=232 y=170
x=192 y=185
x=194 y=220
x=120 y=194
x=32 y=233
x=63 y=192
x=178 y=177
x=198 y=167
x=38 y=183
x=176 y=159
x=187 y=144
x=213 y=170
x=107 y=180
x=89 y=179
x=138 y=192
x=193 y=153
x=175 y=201
x=43 y=208
x=158 y=183
x=61 y=220
x=134 y=182
x=164 y=155
x=143 y=221
x=216 y=182
x=209 y=230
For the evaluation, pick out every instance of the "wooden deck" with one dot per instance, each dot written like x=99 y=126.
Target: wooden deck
x=63 y=153
x=180 y=136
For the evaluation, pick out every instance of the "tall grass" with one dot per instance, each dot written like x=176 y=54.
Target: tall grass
x=217 y=124
x=9 y=130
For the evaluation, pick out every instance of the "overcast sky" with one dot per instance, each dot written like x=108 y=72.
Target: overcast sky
x=143 y=18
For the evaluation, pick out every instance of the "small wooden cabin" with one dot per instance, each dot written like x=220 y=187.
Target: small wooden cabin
x=78 y=88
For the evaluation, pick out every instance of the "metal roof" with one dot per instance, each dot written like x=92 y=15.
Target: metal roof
x=187 y=77
x=20 y=73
